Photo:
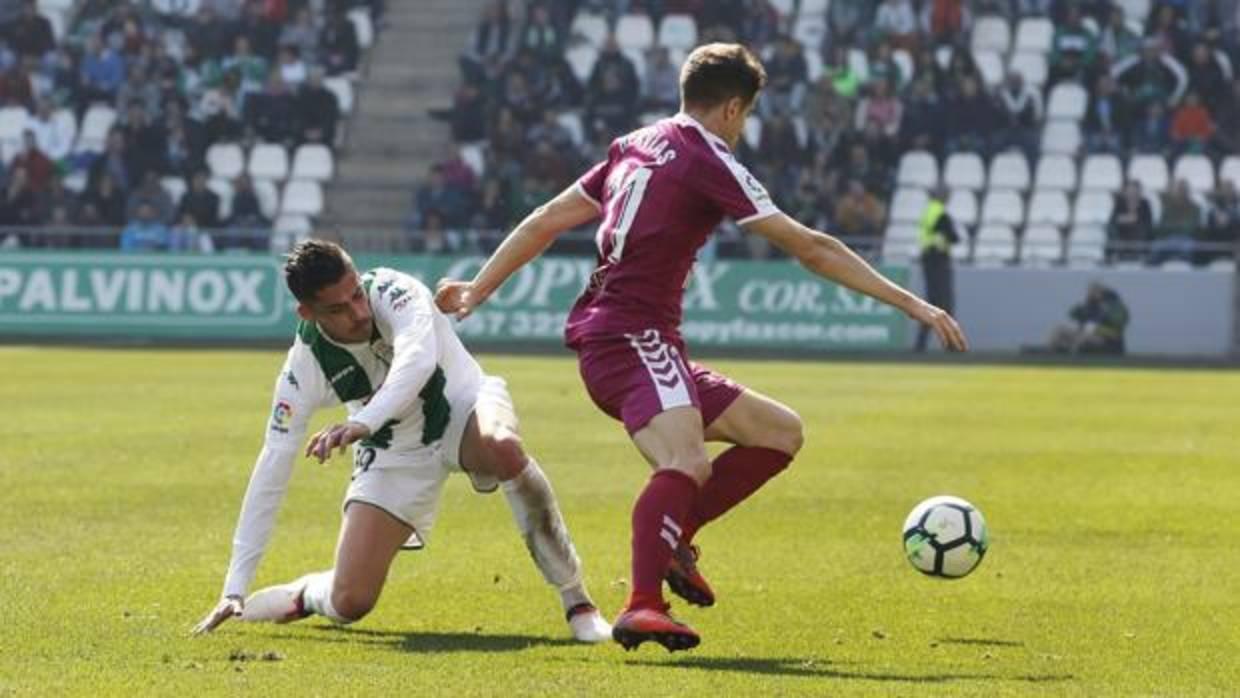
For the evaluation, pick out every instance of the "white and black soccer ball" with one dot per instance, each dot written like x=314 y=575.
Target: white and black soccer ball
x=945 y=537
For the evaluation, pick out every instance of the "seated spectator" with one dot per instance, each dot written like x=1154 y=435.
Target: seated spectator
x=248 y=227
x=303 y=35
x=924 y=120
x=1176 y=233
x=1223 y=223
x=115 y=161
x=145 y=142
x=1154 y=76
x=612 y=59
x=1227 y=135
x=186 y=236
x=199 y=202
x=318 y=111
x=263 y=33
x=825 y=109
x=250 y=67
x=1206 y=76
x=491 y=43
x=435 y=195
x=883 y=66
x=66 y=79
x=661 y=92
x=786 y=77
x=103 y=203
x=145 y=231
x=1165 y=26
x=31 y=32
x=549 y=130
x=39 y=169
x=613 y=109
x=1116 y=41
x=1019 y=114
x=54 y=198
x=273 y=113
x=1073 y=49
x=211 y=34
x=152 y=194
x=338 y=44
x=493 y=212
x=896 y=23
x=1097 y=326
x=859 y=218
x=16 y=89
x=1191 y=126
x=291 y=67
x=1131 y=226
x=540 y=35
x=1107 y=117
x=19 y=206
x=880 y=107
x=944 y=20
x=849 y=20
x=221 y=109
x=141 y=88
x=1152 y=133
x=972 y=118
x=758 y=24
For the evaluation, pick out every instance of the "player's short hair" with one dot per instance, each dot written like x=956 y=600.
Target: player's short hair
x=715 y=73
x=313 y=265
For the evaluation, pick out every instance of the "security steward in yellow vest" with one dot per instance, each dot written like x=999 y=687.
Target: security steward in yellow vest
x=937 y=235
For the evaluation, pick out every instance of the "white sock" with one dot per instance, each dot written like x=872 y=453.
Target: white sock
x=538 y=518
x=318 y=597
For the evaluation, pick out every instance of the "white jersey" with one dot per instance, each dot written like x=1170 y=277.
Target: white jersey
x=401 y=384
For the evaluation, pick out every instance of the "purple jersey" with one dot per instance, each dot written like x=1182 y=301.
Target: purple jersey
x=662 y=190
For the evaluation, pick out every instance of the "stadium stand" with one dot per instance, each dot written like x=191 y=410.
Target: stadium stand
x=1034 y=113
x=213 y=116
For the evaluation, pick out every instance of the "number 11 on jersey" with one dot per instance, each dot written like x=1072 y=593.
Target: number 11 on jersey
x=621 y=211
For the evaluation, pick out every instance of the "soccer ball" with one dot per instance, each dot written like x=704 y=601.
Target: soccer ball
x=945 y=537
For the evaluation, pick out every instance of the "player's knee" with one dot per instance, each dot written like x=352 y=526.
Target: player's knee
x=695 y=465
x=791 y=435
x=505 y=453
x=353 y=604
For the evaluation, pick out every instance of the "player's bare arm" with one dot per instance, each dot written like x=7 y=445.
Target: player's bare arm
x=831 y=259
x=228 y=607
x=529 y=239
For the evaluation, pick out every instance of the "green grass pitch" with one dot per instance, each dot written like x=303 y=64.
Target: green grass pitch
x=1112 y=498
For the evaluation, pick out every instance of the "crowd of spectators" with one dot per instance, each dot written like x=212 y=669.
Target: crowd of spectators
x=177 y=81
x=831 y=138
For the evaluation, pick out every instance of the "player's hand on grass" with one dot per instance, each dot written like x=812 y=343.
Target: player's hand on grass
x=335 y=437
x=228 y=607
x=943 y=324
x=457 y=298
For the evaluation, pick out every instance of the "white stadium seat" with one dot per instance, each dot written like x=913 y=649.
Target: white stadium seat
x=183 y=8
x=1197 y=170
x=1230 y=170
x=1034 y=34
x=591 y=27
x=1087 y=244
x=1009 y=171
x=810 y=30
x=298 y=225
x=343 y=89
x=1135 y=10
x=12 y=123
x=1056 y=172
x=1049 y=206
x=1093 y=208
x=571 y=121
x=1068 y=100
x=175 y=187
x=363 y=26
x=904 y=61
x=1041 y=244
x=474 y=156
x=225 y=160
x=67 y=122
x=813 y=65
x=1062 y=137
x=635 y=31
x=991 y=33
x=995 y=244
x=223 y=189
x=313 y=161
x=860 y=63
x=900 y=243
x=302 y=197
x=962 y=207
x=1102 y=172
x=268 y=161
x=753 y=132
x=678 y=31
x=964 y=170
x=908 y=205
x=815 y=7
x=581 y=60
x=990 y=65
x=1150 y=171
x=1227 y=265
x=1031 y=66
x=1003 y=207
x=268 y=197
x=918 y=168
x=93 y=135
x=785 y=8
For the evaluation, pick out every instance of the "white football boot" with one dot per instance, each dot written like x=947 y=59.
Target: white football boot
x=588 y=624
x=278 y=604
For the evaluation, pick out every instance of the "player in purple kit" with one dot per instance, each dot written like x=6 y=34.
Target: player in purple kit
x=662 y=190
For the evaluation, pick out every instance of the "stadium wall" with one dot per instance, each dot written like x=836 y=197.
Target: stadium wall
x=1189 y=313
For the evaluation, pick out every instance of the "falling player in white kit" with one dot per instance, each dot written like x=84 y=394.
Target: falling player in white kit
x=419 y=407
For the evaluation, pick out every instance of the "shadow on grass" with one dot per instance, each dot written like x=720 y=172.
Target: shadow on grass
x=980 y=641
x=431 y=642
x=821 y=668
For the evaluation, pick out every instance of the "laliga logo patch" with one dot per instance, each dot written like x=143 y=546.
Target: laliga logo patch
x=280 y=417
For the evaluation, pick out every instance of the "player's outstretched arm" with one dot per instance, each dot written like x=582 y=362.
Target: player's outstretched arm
x=228 y=607
x=831 y=259
x=528 y=240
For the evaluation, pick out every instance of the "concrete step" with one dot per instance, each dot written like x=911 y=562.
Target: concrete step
x=383 y=172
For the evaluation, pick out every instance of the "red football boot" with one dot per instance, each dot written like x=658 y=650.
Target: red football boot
x=684 y=579
x=635 y=626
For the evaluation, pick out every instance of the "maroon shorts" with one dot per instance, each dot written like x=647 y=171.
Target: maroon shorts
x=635 y=377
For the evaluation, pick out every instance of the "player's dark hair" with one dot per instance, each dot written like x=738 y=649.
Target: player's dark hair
x=715 y=73
x=313 y=265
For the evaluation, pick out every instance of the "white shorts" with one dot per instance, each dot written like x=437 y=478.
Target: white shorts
x=409 y=492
